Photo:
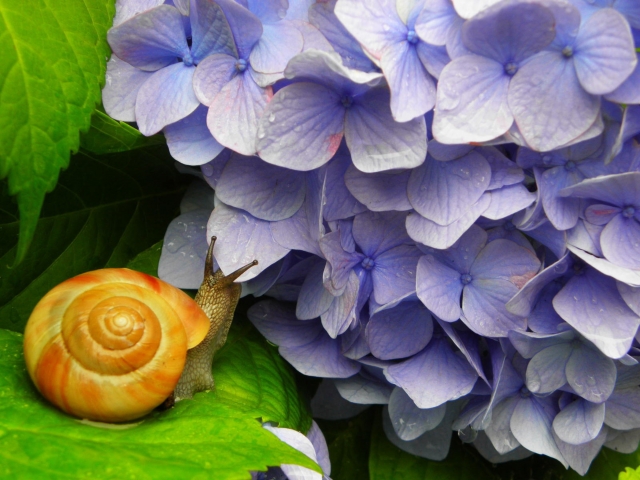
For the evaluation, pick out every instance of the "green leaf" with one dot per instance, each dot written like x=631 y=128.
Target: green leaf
x=251 y=374
x=52 y=65
x=630 y=474
x=348 y=442
x=387 y=462
x=107 y=135
x=104 y=211
x=147 y=261
x=206 y=437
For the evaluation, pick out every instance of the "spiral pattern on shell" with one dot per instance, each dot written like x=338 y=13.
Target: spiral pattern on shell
x=110 y=345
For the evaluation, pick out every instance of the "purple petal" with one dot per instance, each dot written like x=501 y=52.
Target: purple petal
x=151 y=40
x=341 y=261
x=510 y=32
x=562 y=212
x=435 y=20
x=190 y=141
x=579 y=422
x=471 y=103
x=506 y=201
x=499 y=430
x=326 y=68
x=622 y=189
x=399 y=332
x=469 y=8
x=587 y=302
x=302 y=127
x=445 y=153
x=599 y=214
x=246 y=27
x=122 y=84
x=591 y=374
x=437 y=236
x=328 y=404
x=278 y=323
x=126 y=9
x=321 y=15
x=376 y=141
x=467 y=342
x=439 y=288
x=342 y=203
x=523 y=301
x=531 y=424
x=629 y=91
x=303 y=230
x=546 y=370
x=503 y=171
x=461 y=255
x=359 y=389
x=434 y=376
x=264 y=190
x=242 y=238
x=433 y=445
x=443 y=191
x=486 y=449
x=242 y=101
x=314 y=299
x=375 y=24
x=166 y=97
x=631 y=296
x=409 y=99
x=341 y=314
x=210 y=31
x=605 y=54
x=277 y=45
x=382 y=191
x=549 y=104
x=213 y=73
x=394 y=273
x=579 y=457
x=623 y=409
x=212 y=170
x=433 y=58
x=376 y=233
x=622 y=441
x=626 y=275
x=620 y=242
x=529 y=344
x=409 y=421
x=184 y=250
x=320 y=358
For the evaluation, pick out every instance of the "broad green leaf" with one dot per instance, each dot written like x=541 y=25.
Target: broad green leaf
x=107 y=135
x=147 y=261
x=250 y=373
x=52 y=65
x=210 y=436
x=630 y=474
x=105 y=210
x=348 y=442
x=387 y=462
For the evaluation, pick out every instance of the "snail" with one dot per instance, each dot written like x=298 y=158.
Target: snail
x=113 y=344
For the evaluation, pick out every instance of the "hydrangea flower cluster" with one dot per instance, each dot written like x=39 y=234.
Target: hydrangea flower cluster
x=444 y=197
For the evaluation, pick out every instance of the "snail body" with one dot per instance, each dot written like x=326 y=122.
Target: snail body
x=111 y=345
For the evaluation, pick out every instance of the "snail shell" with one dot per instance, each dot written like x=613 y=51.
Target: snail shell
x=110 y=345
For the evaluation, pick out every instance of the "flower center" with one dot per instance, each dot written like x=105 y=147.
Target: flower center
x=187 y=60
x=347 y=101
x=241 y=65
x=570 y=166
x=368 y=263
x=628 y=212
x=567 y=51
x=465 y=279
x=524 y=392
x=509 y=226
x=412 y=37
x=511 y=68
